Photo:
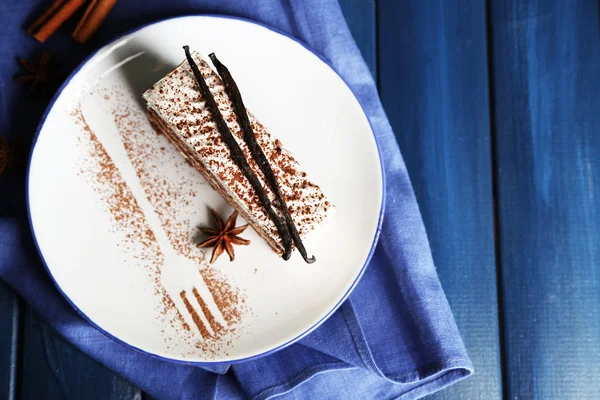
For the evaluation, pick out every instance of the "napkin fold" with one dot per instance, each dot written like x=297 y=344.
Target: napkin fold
x=394 y=337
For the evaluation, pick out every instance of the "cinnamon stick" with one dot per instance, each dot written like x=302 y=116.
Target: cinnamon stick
x=94 y=15
x=53 y=18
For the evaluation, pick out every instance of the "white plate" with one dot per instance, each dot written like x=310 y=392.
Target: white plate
x=103 y=255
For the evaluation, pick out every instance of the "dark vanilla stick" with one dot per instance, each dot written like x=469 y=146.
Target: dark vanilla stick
x=259 y=156
x=238 y=156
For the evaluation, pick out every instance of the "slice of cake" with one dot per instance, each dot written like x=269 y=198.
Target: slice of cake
x=178 y=109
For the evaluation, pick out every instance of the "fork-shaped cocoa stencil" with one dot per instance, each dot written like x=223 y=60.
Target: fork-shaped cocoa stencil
x=180 y=276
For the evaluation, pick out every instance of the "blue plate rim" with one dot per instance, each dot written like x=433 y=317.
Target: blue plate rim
x=174 y=360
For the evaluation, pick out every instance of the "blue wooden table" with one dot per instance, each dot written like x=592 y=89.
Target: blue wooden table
x=505 y=162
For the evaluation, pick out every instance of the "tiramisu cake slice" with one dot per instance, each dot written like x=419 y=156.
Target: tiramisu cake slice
x=202 y=114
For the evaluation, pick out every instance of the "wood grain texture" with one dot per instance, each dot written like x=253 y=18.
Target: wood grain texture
x=433 y=84
x=9 y=341
x=361 y=18
x=546 y=69
x=51 y=368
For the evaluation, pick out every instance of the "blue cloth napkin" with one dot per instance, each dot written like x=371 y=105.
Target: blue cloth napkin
x=395 y=336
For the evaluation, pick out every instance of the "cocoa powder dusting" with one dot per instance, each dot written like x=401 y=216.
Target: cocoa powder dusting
x=120 y=201
x=214 y=324
x=168 y=198
x=195 y=317
x=146 y=152
x=128 y=219
x=192 y=121
x=170 y=305
x=230 y=301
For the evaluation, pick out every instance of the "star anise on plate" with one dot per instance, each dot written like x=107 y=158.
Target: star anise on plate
x=43 y=77
x=223 y=237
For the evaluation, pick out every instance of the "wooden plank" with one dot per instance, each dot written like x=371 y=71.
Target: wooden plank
x=9 y=341
x=433 y=84
x=546 y=78
x=360 y=16
x=52 y=368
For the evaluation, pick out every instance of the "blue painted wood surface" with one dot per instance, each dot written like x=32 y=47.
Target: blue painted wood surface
x=9 y=342
x=51 y=368
x=361 y=16
x=525 y=126
x=546 y=80
x=433 y=85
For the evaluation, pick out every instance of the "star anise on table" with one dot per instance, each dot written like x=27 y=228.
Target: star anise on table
x=223 y=237
x=43 y=77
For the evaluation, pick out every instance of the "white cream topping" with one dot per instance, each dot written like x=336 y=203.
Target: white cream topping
x=178 y=102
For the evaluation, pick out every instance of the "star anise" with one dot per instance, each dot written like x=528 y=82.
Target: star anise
x=224 y=237
x=6 y=156
x=43 y=77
